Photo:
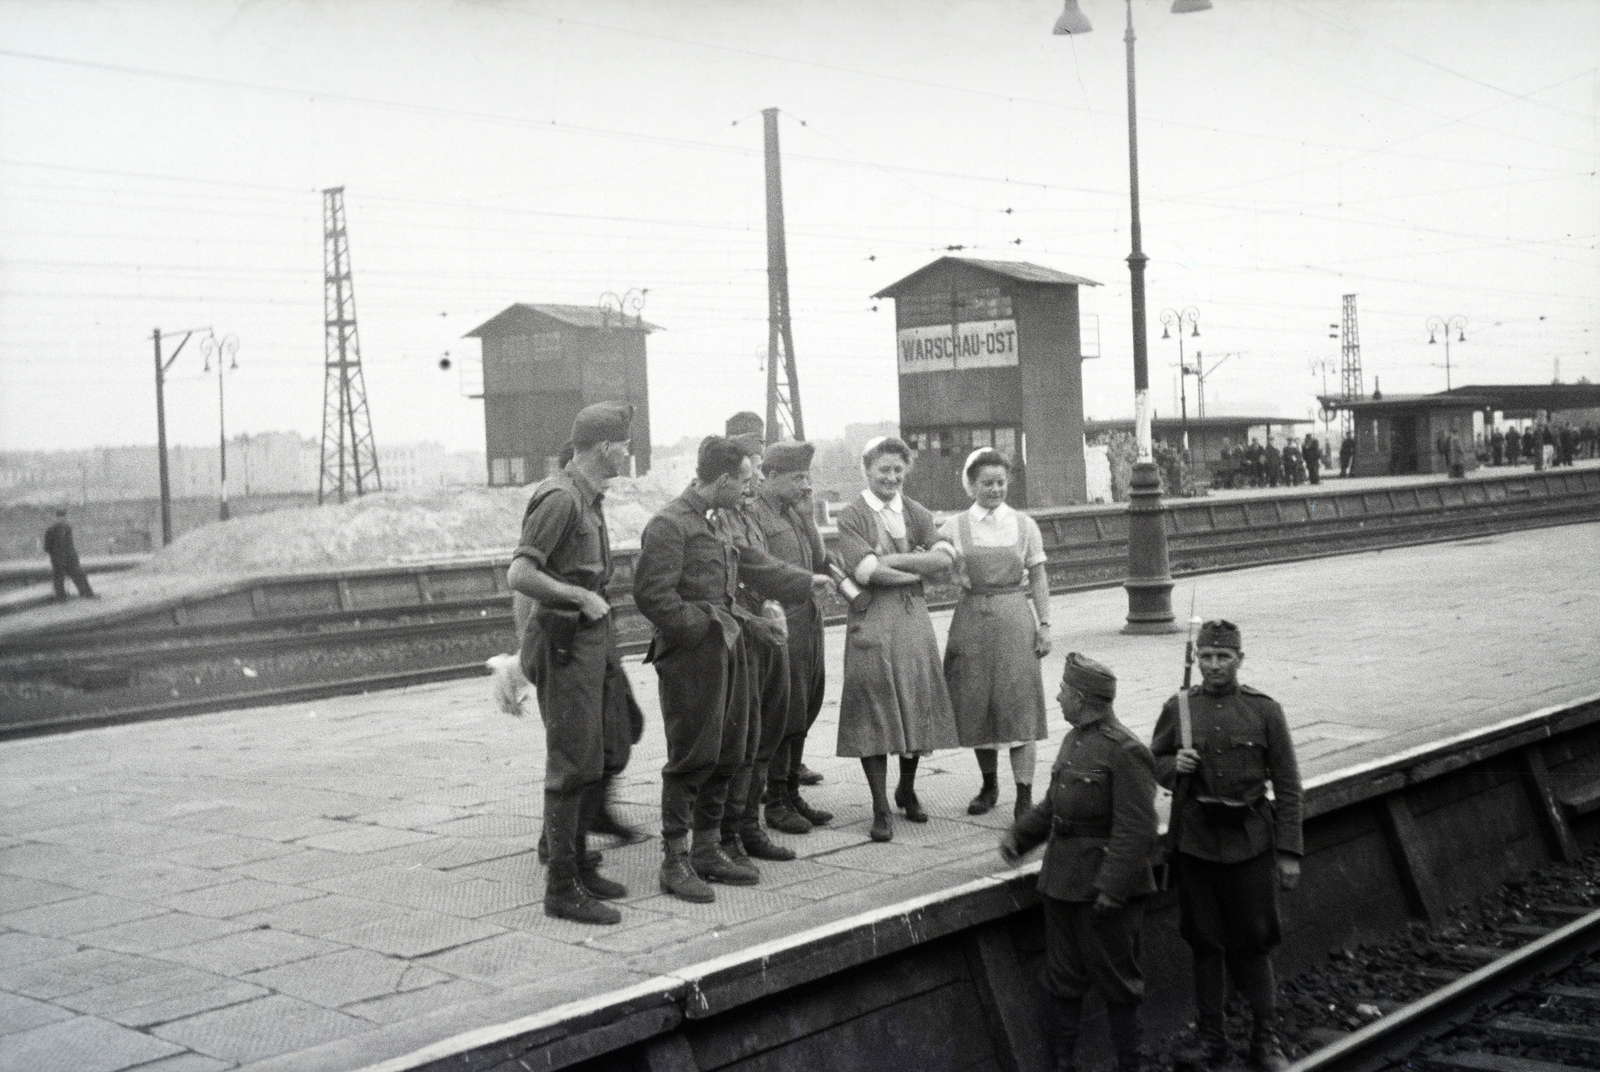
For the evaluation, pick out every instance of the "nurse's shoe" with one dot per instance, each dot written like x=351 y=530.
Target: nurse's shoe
x=905 y=798
x=882 y=827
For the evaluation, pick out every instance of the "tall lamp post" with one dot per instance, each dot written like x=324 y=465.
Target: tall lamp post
x=225 y=350
x=1444 y=325
x=1149 y=582
x=1171 y=318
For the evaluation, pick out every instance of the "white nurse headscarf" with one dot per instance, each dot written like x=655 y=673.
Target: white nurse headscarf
x=986 y=455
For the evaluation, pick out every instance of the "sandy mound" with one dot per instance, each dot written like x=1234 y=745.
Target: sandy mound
x=394 y=527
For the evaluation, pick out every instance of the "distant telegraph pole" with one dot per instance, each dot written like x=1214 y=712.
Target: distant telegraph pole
x=162 y=365
x=349 y=454
x=783 y=391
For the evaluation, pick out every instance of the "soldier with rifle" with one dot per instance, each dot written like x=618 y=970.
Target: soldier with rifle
x=1219 y=747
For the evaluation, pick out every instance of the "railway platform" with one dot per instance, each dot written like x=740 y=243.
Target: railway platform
x=342 y=883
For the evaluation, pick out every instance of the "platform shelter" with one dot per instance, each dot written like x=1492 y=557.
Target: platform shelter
x=541 y=365
x=989 y=353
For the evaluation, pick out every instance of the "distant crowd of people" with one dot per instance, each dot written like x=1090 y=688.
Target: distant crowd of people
x=1540 y=445
x=1253 y=465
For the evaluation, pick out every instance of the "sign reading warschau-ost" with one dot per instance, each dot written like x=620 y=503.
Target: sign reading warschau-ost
x=974 y=344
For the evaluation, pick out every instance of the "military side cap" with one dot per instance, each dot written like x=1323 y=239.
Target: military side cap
x=1219 y=633
x=603 y=422
x=1089 y=677
x=790 y=456
x=745 y=423
x=749 y=442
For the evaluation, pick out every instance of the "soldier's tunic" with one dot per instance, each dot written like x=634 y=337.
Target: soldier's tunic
x=1226 y=865
x=584 y=698
x=793 y=538
x=1099 y=816
x=685 y=583
x=765 y=688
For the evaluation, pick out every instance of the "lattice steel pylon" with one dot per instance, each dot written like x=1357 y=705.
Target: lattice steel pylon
x=783 y=381
x=349 y=453
x=1350 y=385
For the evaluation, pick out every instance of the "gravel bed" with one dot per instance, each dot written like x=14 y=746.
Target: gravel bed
x=1357 y=986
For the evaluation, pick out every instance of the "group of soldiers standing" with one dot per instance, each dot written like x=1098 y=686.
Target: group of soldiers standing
x=729 y=574
x=1253 y=465
x=1540 y=444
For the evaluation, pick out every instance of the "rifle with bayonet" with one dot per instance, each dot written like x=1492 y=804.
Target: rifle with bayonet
x=1180 y=783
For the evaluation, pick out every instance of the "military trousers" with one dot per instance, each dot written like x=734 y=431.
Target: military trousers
x=1088 y=950
x=806 y=682
x=1228 y=914
x=706 y=719
x=585 y=703
x=764 y=689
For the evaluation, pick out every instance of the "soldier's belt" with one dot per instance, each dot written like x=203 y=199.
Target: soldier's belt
x=1068 y=828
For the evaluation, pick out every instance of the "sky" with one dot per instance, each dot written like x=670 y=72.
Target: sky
x=162 y=164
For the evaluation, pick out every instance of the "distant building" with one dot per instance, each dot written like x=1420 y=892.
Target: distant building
x=1402 y=433
x=990 y=354
x=541 y=365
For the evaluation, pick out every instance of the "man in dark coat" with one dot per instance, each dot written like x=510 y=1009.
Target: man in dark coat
x=1513 y=446
x=762 y=577
x=1311 y=450
x=1347 y=455
x=1497 y=447
x=1236 y=848
x=569 y=654
x=64 y=559
x=783 y=510
x=1274 y=464
x=1099 y=817
x=685 y=583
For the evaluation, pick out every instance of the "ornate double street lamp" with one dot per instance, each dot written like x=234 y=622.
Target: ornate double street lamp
x=1149 y=582
x=1444 y=325
x=225 y=350
x=1190 y=318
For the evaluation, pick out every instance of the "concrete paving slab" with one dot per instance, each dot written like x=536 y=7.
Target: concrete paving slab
x=167 y=931
x=82 y=1044
x=1369 y=653
x=261 y=1028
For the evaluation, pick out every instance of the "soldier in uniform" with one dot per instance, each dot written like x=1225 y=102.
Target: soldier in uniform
x=64 y=559
x=569 y=653
x=1099 y=817
x=765 y=582
x=782 y=509
x=1235 y=847
x=685 y=582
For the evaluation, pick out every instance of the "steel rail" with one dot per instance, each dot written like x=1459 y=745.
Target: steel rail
x=1388 y=1042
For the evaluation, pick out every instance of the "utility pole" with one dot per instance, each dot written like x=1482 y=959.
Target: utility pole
x=346 y=423
x=783 y=392
x=1173 y=318
x=1350 y=385
x=161 y=426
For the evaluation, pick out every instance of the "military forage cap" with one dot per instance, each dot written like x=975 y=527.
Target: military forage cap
x=1090 y=678
x=1219 y=633
x=603 y=422
x=744 y=423
x=790 y=456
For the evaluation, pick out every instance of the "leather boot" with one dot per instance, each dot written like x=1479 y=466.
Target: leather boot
x=589 y=877
x=607 y=821
x=1124 y=1022
x=814 y=816
x=781 y=814
x=1266 y=1052
x=987 y=797
x=1024 y=801
x=594 y=858
x=755 y=843
x=808 y=776
x=711 y=863
x=679 y=879
x=565 y=897
x=1061 y=1016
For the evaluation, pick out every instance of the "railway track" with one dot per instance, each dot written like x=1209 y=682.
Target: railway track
x=1493 y=1007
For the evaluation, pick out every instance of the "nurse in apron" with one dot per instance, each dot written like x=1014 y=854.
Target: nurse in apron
x=1000 y=631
